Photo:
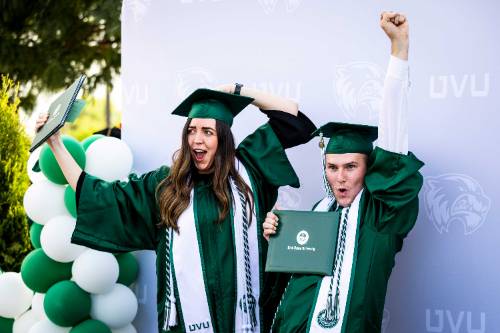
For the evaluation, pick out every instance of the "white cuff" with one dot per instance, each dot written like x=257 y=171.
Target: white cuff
x=398 y=68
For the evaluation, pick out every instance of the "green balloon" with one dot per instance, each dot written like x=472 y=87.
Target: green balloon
x=88 y=141
x=70 y=200
x=6 y=325
x=48 y=162
x=35 y=231
x=39 y=272
x=129 y=268
x=66 y=304
x=91 y=326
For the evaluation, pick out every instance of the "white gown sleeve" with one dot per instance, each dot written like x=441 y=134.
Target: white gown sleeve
x=393 y=118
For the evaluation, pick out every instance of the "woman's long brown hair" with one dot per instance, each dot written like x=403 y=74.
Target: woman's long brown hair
x=174 y=191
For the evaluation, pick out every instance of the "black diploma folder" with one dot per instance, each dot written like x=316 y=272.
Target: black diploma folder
x=305 y=242
x=59 y=111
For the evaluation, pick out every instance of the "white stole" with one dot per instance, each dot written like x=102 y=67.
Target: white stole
x=347 y=265
x=190 y=275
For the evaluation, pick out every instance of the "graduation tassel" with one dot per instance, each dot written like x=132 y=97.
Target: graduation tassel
x=336 y=309
x=170 y=316
x=326 y=185
x=247 y=303
x=330 y=315
x=329 y=306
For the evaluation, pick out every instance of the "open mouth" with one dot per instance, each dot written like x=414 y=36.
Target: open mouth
x=342 y=191
x=199 y=154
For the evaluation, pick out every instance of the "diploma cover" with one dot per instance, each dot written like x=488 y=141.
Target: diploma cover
x=305 y=242
x=59 y=111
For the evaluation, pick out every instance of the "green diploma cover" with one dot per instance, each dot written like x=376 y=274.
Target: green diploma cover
x=65 y=108
x=305 y=242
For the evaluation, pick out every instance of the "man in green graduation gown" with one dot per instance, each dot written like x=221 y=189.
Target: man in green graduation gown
x=376 y=191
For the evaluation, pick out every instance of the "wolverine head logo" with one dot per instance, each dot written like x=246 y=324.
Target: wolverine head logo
x=302 y=237
x=452 y=198
x=138 y=8
x=358 y=89
x=190 y=79
x=288 y=198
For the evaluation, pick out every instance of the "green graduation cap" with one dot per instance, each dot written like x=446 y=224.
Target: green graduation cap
x=348 y=138
x=207 y=103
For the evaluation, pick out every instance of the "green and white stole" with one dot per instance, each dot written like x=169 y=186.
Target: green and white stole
x=332 y=297
x=185 y=264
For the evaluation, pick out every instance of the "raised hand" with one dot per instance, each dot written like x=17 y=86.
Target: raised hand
x=395 y=26
x=41 y=120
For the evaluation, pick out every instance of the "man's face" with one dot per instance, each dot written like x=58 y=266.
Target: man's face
x=345 y=174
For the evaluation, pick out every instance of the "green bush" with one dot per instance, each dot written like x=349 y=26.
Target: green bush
x=14 y=144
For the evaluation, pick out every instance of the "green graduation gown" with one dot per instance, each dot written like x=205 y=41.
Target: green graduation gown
x=124 y=216
x=388 y=211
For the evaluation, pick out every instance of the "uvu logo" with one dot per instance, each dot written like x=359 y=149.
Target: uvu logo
x=288 y=89
x=358 y=89
x=198 y=326
x=440 y=321
x=270 y=5
x=442 y=85
x=451 y=198
x=136 y=93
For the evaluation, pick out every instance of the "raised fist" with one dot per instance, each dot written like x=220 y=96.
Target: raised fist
x=395 y=26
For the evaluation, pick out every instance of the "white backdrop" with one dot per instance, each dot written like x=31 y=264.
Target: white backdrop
x=331 y=57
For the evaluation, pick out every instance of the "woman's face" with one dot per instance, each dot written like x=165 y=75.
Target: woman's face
x=202 y=140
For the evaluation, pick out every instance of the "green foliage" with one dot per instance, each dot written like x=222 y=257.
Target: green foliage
x=14 y=145
x=47 y=44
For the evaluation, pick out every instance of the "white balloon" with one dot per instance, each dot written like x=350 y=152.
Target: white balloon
x=15 y=297
x=117 y=308
x=37 y=306
x=24 y=323
x=44 y=200
x=109 y=159
x=56 y=239
x=35 y=176
x=46 y=326
x=95 y=272
x=126 y=329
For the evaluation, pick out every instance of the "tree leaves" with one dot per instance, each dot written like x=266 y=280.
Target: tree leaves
x=47 y=44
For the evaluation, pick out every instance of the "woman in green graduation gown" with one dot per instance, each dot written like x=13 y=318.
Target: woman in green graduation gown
x=376 y=191
x=201 y=214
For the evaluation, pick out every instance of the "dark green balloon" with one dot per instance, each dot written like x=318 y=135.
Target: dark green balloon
x=70 y=200
x=6 y=325
x=66 y=304
x=129 y=268
x=91 y=326
x=39 y=272
x=35 y=231
x=88 y=141
x=49 y=165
